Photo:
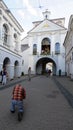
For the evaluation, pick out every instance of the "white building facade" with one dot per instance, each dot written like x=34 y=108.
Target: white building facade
x=45 y=46
x=10 y=42
x=68 y=43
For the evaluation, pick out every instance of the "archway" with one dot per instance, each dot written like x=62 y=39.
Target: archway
x=42 y=63
x=6 y=64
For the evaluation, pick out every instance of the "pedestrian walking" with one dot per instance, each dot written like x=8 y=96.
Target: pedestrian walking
x=29 y=73
x=46 y=72
x=49 y=72
x=18 y=95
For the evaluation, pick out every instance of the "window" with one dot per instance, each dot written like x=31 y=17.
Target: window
x=45 y=46
x=57 y=48
x=15 y=35
x=34 y=49
x=4 y=34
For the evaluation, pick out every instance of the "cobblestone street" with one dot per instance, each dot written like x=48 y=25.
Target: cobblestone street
x=46 y=106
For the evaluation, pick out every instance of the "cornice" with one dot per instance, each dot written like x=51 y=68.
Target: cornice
x=8 y=12
x=9 y=51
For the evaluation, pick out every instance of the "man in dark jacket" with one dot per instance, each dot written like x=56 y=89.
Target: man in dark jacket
x=29 y=73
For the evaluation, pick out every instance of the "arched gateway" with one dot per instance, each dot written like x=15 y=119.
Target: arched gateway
x=45 y=41
x=42 y=63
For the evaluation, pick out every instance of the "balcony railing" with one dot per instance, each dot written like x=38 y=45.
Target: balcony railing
x=45 y=53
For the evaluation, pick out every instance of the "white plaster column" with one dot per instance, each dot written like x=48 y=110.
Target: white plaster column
x=19 y=68
x=19 y=43
x=11 y=38
x=10 y=71
x=1 y=25
x=17 y=46
x=39 y=40
x=52 y=44
x=30 y=45
x=17 y=71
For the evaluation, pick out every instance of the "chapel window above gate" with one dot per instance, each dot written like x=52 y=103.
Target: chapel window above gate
x=45 y=46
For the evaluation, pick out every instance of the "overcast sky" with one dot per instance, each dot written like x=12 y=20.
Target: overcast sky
x=28 y=11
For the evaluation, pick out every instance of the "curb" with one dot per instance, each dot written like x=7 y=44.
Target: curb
x=11 y=83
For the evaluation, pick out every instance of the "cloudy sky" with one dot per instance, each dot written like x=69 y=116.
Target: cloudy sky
x=28 y=11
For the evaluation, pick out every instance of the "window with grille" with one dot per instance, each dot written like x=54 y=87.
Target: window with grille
x=34 y=49
x=57 y=48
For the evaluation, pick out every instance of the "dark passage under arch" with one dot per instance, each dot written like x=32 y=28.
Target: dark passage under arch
x=41 y=65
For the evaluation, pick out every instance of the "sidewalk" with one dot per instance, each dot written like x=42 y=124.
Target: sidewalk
x=66 y=82
x=65 y=85
x=63 y=80
x=12 y=82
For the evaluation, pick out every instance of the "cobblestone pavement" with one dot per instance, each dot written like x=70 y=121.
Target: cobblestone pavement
x=46 y=106
x=65 y=85
x=66 y=82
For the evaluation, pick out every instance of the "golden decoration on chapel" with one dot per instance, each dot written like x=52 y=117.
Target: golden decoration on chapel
x=46 y=25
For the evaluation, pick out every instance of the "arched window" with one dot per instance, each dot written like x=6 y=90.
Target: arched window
x=34 y=49
x=57 y=48
x=5 y=34
x=45 y=46
x=15 y=36
x=15 y=42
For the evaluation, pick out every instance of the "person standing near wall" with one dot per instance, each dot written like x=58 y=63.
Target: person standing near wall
x=29 y=73
x=4 y=80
